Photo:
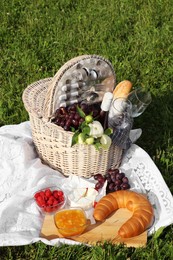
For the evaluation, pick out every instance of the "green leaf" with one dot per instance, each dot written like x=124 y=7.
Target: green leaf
x=75 y=138
x=108 y=131
x=97 y=146
x=81 y=113
x=158 y=232
x=73 y=129
x=83 y=124
x=86 y=130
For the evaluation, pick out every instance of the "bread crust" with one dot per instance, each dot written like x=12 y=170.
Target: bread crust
x=122 y=89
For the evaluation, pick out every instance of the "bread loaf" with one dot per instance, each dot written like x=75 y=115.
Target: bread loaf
x=142 y=210
x=122 y=89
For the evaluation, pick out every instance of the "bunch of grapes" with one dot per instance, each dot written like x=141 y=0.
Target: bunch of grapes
x=116 y=180
x=68 y=117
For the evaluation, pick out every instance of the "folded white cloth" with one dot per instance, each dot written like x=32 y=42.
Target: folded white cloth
x=22 y=174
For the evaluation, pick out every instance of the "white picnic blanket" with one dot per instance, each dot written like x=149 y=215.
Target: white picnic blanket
x=22 y=174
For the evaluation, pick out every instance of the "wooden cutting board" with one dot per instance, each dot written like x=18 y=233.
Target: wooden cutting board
x=100 y=232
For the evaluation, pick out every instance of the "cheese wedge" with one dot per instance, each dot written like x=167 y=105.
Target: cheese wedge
x=82 y=197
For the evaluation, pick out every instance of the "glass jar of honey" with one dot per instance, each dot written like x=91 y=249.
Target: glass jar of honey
x=70 y=222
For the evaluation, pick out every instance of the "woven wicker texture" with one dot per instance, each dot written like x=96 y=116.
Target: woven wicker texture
x=53 y=144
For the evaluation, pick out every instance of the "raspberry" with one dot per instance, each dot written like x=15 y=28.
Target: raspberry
x=43 y=204
x=61 y=199
x=42 y=194
x=37 y=195
x=39 y=204
x=48 y=193
x=49 y=200
x=56 y=194
x=55 y=202
x=60 y=193
x=48 y=209
x=39 y=199
x=51 y=197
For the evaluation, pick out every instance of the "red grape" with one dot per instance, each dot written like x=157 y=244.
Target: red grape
x=125 y=186
x=66 y=128
x=96 y=176
x=121 y=175
x=113 y=171
x=63 y=110
x=117 y=187
x=98 y=185
x=64 y=114
x=109 y=180
x=72 y=107
x=62 y=124
x=118 y=182
x=125 y=180
x=77 y=116
x=101 y=179
x=71 y=116
x=113 y=178
x=75 y=122
x=111 y=186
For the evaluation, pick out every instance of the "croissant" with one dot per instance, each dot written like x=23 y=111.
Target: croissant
x=142 y=210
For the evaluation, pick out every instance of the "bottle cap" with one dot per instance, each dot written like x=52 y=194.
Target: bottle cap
x=106 y=102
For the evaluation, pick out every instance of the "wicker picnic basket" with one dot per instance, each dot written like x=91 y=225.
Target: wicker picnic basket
x=52 y=142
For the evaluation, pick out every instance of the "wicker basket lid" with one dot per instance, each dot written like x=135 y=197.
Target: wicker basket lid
x=80 y=78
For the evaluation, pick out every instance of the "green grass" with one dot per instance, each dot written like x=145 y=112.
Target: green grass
x=38 y=37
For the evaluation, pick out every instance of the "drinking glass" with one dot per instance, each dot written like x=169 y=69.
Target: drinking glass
x=120 y=108
x=120 y=120
x=140 y=99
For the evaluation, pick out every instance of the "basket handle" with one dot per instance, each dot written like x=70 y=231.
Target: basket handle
x=65 y=72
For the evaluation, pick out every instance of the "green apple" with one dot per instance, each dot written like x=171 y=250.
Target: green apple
x=81 y=138
x=88 y=119
x=105 y=141
x=89 y=140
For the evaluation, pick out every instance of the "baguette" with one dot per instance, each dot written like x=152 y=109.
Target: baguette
x=122 y=89
x=142 y=210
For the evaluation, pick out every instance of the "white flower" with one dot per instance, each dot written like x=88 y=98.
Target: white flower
x=96 y=129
